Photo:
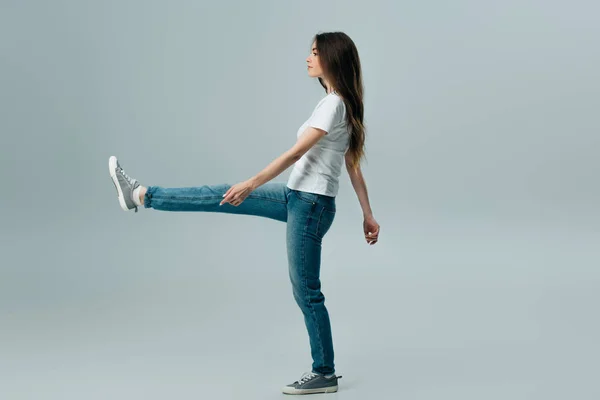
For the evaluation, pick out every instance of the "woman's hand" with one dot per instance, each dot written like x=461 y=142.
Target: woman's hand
x=238 y=193
x=371 y=228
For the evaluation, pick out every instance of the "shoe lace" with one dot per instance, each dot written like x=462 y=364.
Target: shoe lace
x=129 y=179
x=307 y=376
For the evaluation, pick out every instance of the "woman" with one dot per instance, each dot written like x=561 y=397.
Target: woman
x=333 y=135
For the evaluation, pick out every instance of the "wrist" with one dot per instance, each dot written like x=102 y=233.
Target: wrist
x=253 y=182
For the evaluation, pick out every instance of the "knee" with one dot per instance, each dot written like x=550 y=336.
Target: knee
x=305 y=296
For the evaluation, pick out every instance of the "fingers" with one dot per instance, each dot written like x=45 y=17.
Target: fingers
x=230 y=200
x=228 y=197
x=233 y=200
x=225 y=199
x=372 y=237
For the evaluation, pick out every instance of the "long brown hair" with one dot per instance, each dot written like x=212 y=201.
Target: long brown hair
x=340 y=62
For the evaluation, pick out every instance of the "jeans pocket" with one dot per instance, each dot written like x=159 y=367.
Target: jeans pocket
x=307 y=196
x=324 y=222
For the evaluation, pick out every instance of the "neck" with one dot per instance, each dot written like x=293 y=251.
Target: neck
x=328 y=86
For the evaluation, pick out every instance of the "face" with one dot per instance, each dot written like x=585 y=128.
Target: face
x=313 y=64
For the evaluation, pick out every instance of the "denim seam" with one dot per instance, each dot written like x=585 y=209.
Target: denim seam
x=311 y=201
x=186 y=197
x=212 y=198
x=305 y=285
x=319 y=221
x=266 y=198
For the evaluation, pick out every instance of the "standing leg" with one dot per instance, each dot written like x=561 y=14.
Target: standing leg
x=308 y=221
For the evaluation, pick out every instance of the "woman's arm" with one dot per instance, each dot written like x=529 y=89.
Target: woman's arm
x=307 y=140
x=360 y=187
x=370 y=227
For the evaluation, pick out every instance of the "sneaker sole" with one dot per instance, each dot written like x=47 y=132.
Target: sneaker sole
x=112 y=166
x=291 y=390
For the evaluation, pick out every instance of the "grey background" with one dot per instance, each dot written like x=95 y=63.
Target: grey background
x=482 y=170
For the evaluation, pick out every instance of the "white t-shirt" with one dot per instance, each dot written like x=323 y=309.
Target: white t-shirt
x=319 y=169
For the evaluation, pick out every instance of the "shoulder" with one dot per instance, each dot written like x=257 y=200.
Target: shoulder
x=332 y=102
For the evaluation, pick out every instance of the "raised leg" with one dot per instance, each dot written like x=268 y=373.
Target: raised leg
x=268 y=200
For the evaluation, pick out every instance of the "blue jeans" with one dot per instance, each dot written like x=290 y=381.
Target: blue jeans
x=308 y=217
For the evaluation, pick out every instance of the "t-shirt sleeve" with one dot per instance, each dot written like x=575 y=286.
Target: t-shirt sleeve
x=327 y=114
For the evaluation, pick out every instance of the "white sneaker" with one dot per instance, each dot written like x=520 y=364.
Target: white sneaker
x=310 y=383
x=123 y=183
